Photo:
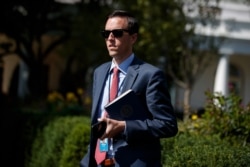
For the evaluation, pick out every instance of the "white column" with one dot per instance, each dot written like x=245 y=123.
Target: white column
x=221 y=77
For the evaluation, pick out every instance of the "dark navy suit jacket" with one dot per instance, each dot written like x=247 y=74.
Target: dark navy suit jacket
x=139 y=145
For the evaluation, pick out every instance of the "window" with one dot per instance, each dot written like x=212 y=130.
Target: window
x=235 y=82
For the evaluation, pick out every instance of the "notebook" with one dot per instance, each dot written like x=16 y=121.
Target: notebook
x=127 y=106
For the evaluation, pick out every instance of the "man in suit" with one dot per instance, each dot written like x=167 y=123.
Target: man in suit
x=134 y=143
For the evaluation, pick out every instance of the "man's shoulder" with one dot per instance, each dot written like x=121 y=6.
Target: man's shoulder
x=144 y=64
x=148 y=65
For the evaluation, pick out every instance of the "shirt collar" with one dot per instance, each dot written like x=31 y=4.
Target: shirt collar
x=123 y=67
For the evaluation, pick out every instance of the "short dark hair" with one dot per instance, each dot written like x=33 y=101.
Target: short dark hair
x=133 y=25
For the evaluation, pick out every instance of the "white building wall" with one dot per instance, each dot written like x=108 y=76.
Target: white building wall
x=204 y=83
x=234 y=25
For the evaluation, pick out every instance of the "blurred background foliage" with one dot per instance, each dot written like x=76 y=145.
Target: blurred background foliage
x=215 y=138
x=166 y=39
x=52 y=127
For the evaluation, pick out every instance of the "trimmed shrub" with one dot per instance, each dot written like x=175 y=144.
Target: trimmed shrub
x=48 y=146
x=207 y=141
x=203 y=151
x=75 y=146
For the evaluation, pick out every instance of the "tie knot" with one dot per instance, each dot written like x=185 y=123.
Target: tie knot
x=115 y=70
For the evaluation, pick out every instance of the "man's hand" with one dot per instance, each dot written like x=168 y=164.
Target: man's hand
x=114 y=127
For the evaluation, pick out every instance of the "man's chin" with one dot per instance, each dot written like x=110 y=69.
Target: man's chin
x=113 y=54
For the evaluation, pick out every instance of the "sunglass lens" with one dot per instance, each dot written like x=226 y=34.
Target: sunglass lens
x=117 y=33
x=105 y=33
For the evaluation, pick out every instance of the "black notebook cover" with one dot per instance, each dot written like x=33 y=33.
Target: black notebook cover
x=127 y=106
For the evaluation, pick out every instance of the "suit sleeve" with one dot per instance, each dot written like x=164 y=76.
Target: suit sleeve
x=162 y=122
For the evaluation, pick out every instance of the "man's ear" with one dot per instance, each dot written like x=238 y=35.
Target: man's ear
x=134 y=37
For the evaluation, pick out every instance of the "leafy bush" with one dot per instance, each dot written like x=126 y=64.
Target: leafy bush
x=210 y=151
x=75 y=146
x=225 y=116
x=50 y=144
x=202 y=141
x=219 y=137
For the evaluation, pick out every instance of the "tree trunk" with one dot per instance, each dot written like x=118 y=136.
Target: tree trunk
x=186 y=107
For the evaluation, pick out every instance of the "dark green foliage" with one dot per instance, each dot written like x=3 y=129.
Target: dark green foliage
x=49 y=145
x=75 y=146
x=203 y=151
x=206 y=141
x=228 y=117
x=218 y=138
x=224 y=116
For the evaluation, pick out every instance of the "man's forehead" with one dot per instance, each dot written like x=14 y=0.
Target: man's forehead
x=117 y=22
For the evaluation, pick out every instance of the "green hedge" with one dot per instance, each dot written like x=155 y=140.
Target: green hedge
x=61 y=143
x=218 y=138
x=75 y=146
x=203 y=151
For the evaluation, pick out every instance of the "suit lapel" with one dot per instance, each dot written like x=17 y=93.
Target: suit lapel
x=100 y=83
x=132 y=74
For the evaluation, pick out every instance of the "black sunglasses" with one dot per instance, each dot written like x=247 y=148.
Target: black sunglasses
x=116 y=32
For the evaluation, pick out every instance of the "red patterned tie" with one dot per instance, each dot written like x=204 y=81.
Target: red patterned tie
x=114 y=86
x=100 y=156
